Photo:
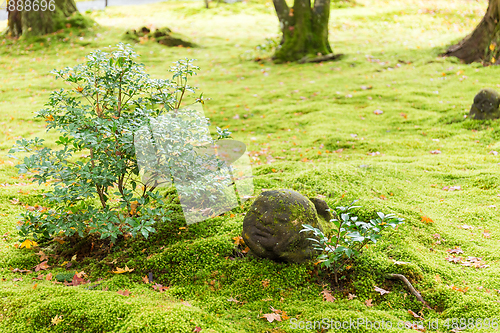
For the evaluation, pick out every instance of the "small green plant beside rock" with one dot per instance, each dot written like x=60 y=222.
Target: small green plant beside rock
x=348 y=238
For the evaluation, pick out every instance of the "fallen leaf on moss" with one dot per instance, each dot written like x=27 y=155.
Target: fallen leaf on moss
x=122 y=270
x=368 y=302
x=414 y=326
x=124 y=292
x=28 y=244
x=456 y=250
x=42 y=266
x=265 y=283
x=415 y=315
x=351 y=296
x=426 y=219
x=271 y=317
x=56 y=320
x=77 y=279
x=466 y=227
x=238 y=240
x=381 y=291
x=327 y=296
x=159 y=287
x=42 y=255
x=453 y=287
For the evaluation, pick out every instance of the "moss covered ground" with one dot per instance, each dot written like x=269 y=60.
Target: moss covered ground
x=312 y=128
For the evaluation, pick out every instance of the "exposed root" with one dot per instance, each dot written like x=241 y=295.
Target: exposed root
x=410 y=286
x=327 y=57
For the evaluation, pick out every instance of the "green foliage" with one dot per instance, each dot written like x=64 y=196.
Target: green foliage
x=349 y=237
x=112 y=98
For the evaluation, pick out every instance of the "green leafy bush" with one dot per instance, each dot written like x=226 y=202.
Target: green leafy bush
x=349 y=237
x=94 y=174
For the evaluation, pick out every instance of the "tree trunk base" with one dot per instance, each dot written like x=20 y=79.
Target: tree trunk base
x=42 y=22
x=483 y=44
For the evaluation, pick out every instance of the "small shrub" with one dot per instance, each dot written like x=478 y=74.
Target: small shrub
x=94 y=175
x=349 y=237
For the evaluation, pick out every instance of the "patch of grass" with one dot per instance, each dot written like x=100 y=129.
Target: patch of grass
x=294 y=120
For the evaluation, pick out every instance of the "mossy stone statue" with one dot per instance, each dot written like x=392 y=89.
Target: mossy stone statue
x=486 y=105
x=271 y=228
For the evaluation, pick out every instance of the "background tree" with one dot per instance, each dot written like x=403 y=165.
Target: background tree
x=42 y=17
x=483 y=44
x=305 y=31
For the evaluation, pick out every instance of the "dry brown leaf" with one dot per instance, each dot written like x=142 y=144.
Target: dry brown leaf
x=124 y=292
x=327 y=296
x=42 y=266
x=415 y=315
x=42 y=255
x=456 y=250
x=368 y=302
x=239 y=241
x=272 y=317
x=159 y=287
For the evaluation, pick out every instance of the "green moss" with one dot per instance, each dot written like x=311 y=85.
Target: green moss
x=281 y=108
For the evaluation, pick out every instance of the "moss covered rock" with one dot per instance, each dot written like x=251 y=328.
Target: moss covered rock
x=271 y=228
x=486 y=105
x=163 y=36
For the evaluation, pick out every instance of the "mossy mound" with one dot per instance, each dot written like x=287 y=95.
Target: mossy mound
x=163 y=36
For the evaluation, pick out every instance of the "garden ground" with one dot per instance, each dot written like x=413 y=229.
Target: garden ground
x=314 y=128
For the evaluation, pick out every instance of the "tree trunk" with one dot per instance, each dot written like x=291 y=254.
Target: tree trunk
x=483 y=44
x=305 y=30
x=41 y=22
